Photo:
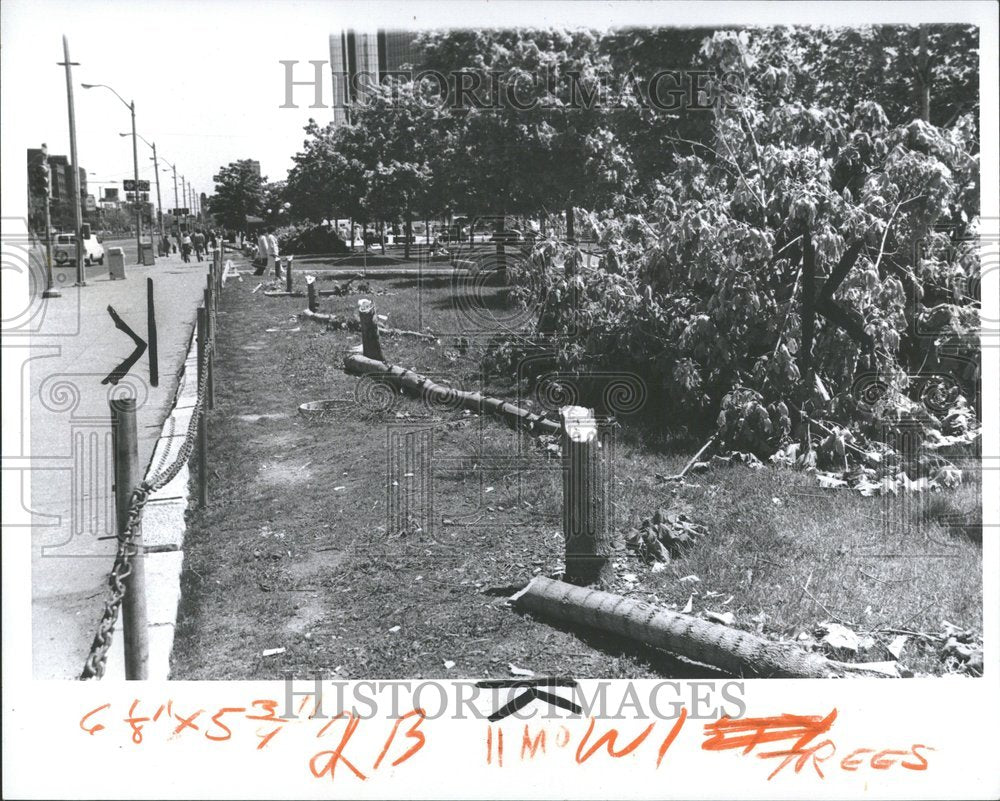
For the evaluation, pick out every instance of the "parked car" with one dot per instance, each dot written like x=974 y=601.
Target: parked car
x=64 y=249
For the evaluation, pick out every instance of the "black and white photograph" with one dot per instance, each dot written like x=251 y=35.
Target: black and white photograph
x=644 y=344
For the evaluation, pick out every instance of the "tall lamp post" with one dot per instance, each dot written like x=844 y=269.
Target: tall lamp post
x=77 y=211
x=156 y=169
x=135 y=164
x=173 y=167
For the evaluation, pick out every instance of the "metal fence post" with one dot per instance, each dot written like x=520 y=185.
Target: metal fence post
x=128 y=474
x=154 y=361
x=210 y=338
x=203 y=421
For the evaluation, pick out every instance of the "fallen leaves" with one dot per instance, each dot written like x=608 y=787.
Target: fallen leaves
x=664 y=535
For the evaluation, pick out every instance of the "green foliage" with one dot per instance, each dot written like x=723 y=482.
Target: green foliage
x=239 y=191
x=705 y=291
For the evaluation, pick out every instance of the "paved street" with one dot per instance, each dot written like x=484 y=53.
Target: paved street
x=71 y=488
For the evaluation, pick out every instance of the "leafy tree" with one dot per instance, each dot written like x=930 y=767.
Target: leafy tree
x=524 y=141
x=801 y=250
x=327 y=179
x=239 y=191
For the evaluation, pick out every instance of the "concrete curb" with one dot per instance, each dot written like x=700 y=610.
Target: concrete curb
x=163 y=527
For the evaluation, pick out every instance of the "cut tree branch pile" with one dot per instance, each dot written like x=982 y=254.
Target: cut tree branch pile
x=731 y=650
x=420 y=386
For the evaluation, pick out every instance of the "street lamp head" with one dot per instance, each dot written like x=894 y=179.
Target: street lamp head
x=89 y=85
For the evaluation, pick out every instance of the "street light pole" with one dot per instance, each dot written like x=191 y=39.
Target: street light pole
x=138 y=208
x=159 y=203
x=135 y=156
x=77 y=211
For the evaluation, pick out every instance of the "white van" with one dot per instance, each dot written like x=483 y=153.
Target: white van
x=64 y=249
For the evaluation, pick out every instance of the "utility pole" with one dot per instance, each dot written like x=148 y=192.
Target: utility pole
x=77 y=210
x=177 y=203
x=159 y=204
x=138 y=208
x=184 y=195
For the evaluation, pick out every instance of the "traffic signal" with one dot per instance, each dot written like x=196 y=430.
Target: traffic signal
x=43 y=174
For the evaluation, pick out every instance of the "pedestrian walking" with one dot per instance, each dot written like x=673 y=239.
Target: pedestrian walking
x=261 y=261
x=272 y=253
x=198 y=241
x=186 y=247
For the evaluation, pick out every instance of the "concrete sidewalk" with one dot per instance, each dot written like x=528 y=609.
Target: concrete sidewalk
x=72 y=501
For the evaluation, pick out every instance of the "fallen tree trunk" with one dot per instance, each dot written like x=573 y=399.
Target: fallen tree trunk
x=353 y=325
x=376 y=272
x=422 y=387
x=736 y=652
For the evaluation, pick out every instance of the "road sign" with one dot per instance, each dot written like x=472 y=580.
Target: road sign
x=91 y=203
x=180 y=212
x=128 y=184
x=143 y=185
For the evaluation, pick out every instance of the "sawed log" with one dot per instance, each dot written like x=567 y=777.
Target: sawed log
x=736 y=652
x=419 y=386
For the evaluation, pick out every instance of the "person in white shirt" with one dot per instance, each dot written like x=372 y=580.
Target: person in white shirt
x=272 y=253
x=261 y=260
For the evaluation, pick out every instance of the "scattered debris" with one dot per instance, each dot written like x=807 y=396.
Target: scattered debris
x=519 y=671
x=272 y=651
x=394 y=629
x=726 y=618
x=838 y=637
x=897 y=645
x=448 y=664
x=664 y=535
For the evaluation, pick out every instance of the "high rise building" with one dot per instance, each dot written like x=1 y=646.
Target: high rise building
x=363 y=58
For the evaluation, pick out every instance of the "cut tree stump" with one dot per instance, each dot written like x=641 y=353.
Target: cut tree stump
x=311 y=293
x=589 y=544
x=370 y=345
x=736 y=652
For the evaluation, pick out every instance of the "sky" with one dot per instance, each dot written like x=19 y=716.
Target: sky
x=206 y=77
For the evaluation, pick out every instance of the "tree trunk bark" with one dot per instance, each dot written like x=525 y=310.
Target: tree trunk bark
x=586 y=534
x=408 y=234
x=570 y=224
x=370 y=345
x=732 y=650
x=422 y=387
x=501 y=247
x=351 y=234
x=924 y=76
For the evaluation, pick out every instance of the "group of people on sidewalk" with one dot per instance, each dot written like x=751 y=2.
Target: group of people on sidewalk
x=187 y=242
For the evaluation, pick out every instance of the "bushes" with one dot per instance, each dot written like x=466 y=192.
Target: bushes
x=309 y=238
